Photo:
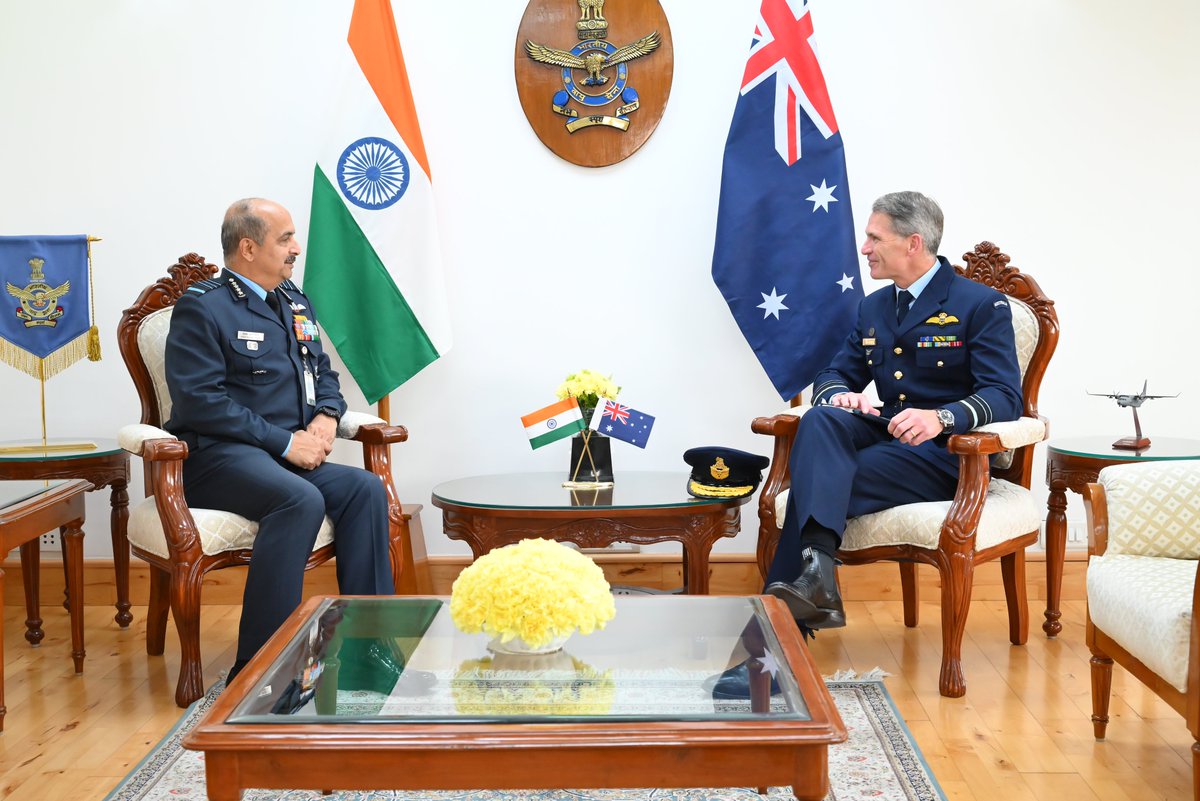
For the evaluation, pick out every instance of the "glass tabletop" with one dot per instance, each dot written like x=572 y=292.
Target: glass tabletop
x=650 y=663
x=13 y=492
x=1161 y=448
x=33 y=450
x=630 y=490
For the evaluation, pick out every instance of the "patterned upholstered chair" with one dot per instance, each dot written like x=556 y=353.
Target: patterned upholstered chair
x=1142 y=588
x=181 y=544
x=993 y=514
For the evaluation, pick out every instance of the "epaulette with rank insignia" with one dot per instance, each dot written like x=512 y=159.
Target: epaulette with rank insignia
x=290 y=285
x=200 y=287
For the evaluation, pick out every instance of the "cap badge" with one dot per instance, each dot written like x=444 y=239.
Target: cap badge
x=719 y=470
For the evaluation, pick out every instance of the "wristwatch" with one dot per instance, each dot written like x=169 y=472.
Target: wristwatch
x=330 y=411
x=946 y=418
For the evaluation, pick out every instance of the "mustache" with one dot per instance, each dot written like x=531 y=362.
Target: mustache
x=290 y=260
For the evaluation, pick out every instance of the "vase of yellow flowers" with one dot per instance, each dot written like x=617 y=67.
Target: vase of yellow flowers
x=531 y=596
x=591 y=453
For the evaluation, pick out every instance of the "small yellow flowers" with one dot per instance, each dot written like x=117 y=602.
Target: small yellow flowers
x=537 y=590
x=588 y=386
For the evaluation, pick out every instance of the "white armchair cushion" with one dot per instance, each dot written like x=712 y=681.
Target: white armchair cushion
x=1008 y=512
x=134 y=437
x=352 y=421
x=1153 y=509
x=1016 y=433
x=152 y=344
x=219 y=531
x=1144 y=603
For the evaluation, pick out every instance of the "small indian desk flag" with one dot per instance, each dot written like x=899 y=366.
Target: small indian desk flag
x=46 y=325
x=556 y=421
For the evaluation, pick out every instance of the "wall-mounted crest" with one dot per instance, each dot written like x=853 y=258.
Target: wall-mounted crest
x=594 y=82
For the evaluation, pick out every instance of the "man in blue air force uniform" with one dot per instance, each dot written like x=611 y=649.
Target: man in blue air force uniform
x=941 y=352
x=256 y=402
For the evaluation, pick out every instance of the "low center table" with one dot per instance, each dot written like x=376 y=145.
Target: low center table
x=641 y=507
x=624 y=707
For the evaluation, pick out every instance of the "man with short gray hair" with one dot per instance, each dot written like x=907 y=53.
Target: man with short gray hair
x=941 y=353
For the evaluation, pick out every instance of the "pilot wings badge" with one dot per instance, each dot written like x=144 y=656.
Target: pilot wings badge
x=606 y=68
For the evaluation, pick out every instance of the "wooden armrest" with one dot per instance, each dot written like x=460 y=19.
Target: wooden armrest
x=781 y=425
x=380 y=434
x=975 y=443
x=164 y=450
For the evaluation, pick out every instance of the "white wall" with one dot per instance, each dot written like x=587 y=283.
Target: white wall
x=1059 y=129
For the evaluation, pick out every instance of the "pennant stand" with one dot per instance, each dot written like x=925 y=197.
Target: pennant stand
x=574 y=483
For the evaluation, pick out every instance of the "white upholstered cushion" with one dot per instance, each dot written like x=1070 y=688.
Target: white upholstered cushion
x=1153 y=508
x=1144 y=603
x=219 y=531
x=152 y=344
x=1025 y=331
x=1008 y=512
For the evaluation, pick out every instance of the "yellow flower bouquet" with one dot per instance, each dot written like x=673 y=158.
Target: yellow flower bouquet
x=538 y=591
x=587 y=387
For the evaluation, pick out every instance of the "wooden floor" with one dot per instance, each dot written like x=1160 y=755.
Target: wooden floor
x=1022 y=731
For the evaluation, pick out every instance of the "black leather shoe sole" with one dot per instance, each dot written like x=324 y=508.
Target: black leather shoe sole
x=804 y=610
x=734 y=683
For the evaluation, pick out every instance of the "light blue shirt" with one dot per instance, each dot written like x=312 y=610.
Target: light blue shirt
x=919 y=285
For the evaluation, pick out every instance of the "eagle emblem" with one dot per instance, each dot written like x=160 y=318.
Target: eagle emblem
x=594 y=56
x=38 y=299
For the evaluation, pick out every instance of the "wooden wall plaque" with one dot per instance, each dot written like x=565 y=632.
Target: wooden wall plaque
x=594 y=76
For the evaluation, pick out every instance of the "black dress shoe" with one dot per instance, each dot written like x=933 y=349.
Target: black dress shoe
x=734 y=683
x=813 y=598
x=371 y=665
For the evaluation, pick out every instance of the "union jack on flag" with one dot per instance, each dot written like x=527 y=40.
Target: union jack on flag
x=784 y=257
x=623 y=423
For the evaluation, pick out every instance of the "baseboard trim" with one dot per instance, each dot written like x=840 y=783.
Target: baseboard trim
x=732 y=574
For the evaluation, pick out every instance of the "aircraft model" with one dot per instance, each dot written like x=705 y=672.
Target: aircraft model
x=1133 y=401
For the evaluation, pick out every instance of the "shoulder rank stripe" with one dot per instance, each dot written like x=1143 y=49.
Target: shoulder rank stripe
x=290 y=284
x=200 y=287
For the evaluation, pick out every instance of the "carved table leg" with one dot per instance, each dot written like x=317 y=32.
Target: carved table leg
x=120 y=546
x=72 y=537
x=3 y=709
x=1056 y=547
x=31 y=558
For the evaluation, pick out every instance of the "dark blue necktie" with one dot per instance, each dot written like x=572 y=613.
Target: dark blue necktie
x=903 y=299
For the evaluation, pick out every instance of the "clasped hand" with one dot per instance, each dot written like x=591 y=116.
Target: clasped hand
x=313 y=445
x=910 y=426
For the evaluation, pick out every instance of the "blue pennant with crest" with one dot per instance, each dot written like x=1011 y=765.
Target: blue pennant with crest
x=45 y=326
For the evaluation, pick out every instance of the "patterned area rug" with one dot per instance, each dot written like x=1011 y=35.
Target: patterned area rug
x=880 y=761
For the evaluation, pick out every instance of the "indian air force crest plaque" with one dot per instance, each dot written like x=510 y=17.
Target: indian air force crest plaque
x=596 y=101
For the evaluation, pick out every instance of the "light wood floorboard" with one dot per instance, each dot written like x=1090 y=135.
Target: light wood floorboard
x=1022 y=732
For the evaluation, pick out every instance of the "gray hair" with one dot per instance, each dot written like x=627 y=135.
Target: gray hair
x=242 y=221
x=913 y=213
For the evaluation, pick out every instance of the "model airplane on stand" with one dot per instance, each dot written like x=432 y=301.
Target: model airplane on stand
x=1132 y=401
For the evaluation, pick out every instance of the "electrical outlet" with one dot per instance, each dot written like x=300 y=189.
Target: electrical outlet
x=51 y=542
x=1075 y=532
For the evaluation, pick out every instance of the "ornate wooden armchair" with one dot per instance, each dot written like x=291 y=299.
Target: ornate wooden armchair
x=1142 y=588
x=183 y=544
x=991 y=516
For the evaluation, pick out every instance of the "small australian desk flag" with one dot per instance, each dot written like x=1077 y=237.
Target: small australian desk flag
x=785 y=258
x=623 y=423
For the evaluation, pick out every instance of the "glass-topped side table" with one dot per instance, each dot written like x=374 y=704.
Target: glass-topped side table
x=308 y=713
x=1070 y=465
x=29 y=509
x=642 y=507
x=106 y=465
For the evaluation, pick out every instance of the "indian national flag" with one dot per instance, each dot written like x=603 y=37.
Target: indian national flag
x=555 y=422
x=374 y=265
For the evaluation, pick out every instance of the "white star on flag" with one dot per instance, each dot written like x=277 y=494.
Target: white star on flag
x=769 y=663
x=847 y=283
x=772 y=304
x=822 y=196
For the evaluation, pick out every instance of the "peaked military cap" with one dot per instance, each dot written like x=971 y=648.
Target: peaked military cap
x=723 y=472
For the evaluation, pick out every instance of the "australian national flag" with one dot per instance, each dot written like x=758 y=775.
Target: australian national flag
x=785 y=258
x=623 y=423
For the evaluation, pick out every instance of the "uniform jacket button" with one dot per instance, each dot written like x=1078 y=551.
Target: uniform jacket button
x=899 y=375
x=940 y=363
x=898 y=351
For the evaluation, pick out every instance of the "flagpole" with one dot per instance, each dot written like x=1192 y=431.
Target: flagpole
x=384 y=409
x=42 y=384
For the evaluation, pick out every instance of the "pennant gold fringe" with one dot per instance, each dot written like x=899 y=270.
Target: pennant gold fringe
x=53 y=364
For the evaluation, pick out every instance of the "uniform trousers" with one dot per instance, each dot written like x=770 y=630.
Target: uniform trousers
x=843 y=466
x=289 y=503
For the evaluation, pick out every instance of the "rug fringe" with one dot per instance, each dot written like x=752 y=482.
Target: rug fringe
x=874 y=674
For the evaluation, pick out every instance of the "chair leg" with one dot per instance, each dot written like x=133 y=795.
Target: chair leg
x=156 y=617
x=185 y=606
x=1196 y=771
x=1101 y=690
x=957 y=576
x=1012 y=570
x=910 y=591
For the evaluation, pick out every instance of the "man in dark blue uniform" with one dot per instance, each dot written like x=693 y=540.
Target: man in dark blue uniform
x=941 y=352
x=256 y=402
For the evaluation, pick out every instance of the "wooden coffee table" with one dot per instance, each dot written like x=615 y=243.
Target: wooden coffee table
x=641 y=507
x=624 y=707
